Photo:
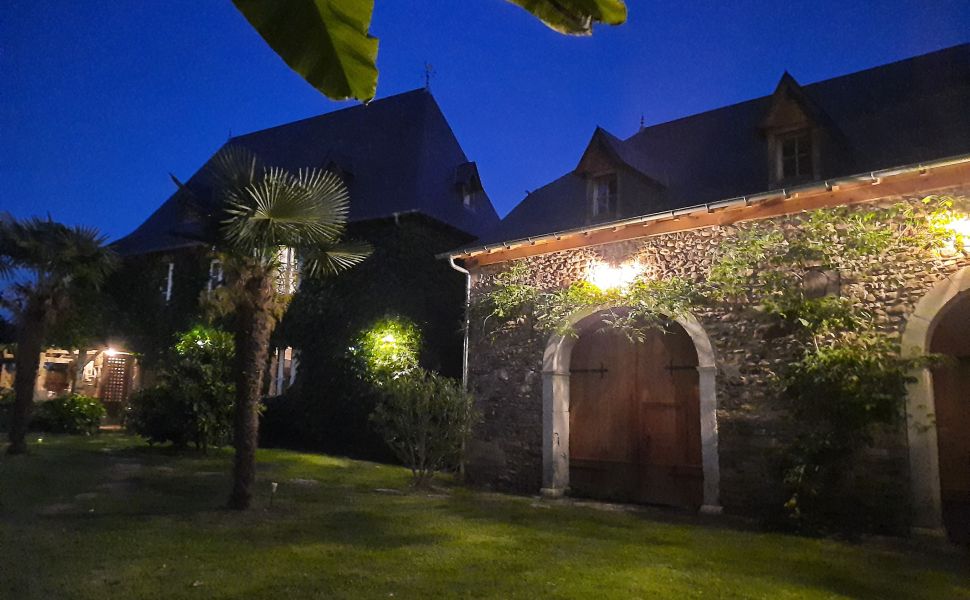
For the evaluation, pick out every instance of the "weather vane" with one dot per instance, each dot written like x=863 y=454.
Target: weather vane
x=428 y=73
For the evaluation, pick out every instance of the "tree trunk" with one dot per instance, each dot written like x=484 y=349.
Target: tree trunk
x=30 y=342
x=253 y=329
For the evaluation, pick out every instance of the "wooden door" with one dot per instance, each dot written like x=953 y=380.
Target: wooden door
x=951 y=387
x=634 y=419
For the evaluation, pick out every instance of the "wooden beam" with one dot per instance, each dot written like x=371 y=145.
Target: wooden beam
x=939 y=178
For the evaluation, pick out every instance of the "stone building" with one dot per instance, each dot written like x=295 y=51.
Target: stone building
x=689 y=418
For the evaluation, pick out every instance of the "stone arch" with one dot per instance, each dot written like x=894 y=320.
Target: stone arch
x=555 y=407
x=924 y=459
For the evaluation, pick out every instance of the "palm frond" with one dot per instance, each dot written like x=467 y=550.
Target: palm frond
x=234 y=167
x=282 y=209
x=320 y=261
x=55 y=253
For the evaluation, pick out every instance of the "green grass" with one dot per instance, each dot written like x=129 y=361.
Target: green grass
x=106 y=517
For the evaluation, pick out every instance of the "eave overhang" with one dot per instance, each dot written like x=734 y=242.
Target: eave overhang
x=908 y=179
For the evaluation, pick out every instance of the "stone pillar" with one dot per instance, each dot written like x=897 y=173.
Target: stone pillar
x=555 y=433
x=924 y=460
x=710 y=459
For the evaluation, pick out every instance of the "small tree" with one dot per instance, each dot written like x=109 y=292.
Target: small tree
x=193 y=400
x=425 y=419
x=51 y=266
x=251 y=214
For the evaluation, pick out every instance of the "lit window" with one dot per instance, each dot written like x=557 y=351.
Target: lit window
x=216 y=277
x=603 y=192
x=288 y=277
x=795 y=156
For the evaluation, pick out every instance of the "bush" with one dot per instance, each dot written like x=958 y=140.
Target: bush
x=159 y=416
x=425 y=419
x=72 y=413
x=194 y=398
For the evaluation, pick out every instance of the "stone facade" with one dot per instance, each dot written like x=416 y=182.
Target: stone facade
x=506 y=362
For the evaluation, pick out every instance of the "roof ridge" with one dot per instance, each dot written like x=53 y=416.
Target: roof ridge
x=337 y=111
x=802 y=86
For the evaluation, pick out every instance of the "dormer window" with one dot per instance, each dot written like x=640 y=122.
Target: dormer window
x=795 y=156
x=603 y=196
x=468 y=185
x=467 y=197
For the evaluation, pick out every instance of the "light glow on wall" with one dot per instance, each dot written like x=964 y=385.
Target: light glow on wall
x=608 y=277
x=961 y=227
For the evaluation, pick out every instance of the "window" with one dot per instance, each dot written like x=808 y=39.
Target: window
x=216 y=278
x=167 y=288
x=603 y=196
x=795 y=156
x=467 y=195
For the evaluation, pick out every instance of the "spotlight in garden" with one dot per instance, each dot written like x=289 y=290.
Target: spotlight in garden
x=607 y=277
x=389 y=339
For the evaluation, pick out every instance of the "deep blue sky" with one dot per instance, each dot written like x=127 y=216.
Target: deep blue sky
x=101 y=99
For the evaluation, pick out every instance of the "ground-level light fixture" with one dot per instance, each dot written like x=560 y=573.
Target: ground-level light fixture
x=608 y=277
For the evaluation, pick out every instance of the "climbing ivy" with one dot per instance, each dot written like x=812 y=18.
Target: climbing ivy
x=646 y=303
x=848 y=378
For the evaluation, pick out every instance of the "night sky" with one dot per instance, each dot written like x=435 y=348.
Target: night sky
x=100 y=100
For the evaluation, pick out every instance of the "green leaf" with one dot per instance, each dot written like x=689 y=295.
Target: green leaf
x=325 y=41
x=575 y=17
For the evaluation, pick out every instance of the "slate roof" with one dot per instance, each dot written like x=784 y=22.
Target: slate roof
x=897 y=114
x=399 y=151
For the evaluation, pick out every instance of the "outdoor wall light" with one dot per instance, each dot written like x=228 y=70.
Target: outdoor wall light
x=607 y=277
x=111 y=352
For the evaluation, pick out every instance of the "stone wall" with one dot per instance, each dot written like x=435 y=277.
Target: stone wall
x=505 y=370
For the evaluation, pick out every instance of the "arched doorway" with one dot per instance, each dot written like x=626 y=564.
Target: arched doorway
x=648 y=409
x=938 y=409
x=634 y=417
x=951 y=393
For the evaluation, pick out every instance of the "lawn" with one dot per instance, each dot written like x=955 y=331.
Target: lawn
x=107 y=517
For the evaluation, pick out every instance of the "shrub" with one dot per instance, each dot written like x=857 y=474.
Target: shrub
x=425 y=419
x=194 y=398
x=159 y=416
x=72 y=413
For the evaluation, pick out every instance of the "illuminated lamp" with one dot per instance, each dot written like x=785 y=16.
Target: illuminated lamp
x=607 y=277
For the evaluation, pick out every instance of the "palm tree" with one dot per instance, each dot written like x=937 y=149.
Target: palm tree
x=48 y=265
x=251 y=214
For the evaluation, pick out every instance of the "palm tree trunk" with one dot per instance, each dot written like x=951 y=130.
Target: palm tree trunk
x=253 y=329
x=30 y=342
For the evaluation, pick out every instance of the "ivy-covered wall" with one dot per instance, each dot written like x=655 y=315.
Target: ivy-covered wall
x=134 y=313
x=329 y=406
x=754 y=425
